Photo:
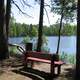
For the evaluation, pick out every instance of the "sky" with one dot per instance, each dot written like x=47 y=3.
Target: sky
x=34 y=12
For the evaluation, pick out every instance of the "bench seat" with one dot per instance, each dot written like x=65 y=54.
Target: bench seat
x=45 y=61
x=52 y=59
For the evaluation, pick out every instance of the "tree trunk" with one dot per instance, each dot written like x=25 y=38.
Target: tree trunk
x=7 y=20
x=3 y=38
x=78 y=44
x=62 y=15
x=57 y=52
x=8 y=11
x=40 y=32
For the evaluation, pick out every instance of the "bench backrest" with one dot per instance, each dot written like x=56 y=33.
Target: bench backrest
x=40 y=55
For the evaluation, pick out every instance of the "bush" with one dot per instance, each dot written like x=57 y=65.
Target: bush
x=26 y=40
x=68 y=58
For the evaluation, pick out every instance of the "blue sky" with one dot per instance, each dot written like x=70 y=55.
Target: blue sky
x=34 y=12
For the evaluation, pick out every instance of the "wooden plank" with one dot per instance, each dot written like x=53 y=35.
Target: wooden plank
x=45 y=61
x=39 y=60
x=40 y=55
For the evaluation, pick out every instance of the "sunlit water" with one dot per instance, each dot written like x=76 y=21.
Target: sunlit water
x=67 y=43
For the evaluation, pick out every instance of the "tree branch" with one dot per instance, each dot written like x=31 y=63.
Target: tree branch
x=45 y=4
x=27 y=4
x=21 y=3
x=47 y=15
x=20 y=9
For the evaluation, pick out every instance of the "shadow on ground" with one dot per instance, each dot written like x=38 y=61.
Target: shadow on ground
x=1 y=72
x=34 y=74
x=41 y=75
x=70 y=74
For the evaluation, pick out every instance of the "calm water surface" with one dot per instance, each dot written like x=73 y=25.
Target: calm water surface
x=67 y=43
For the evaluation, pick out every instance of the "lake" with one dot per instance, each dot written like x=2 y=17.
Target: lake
x=67 y=43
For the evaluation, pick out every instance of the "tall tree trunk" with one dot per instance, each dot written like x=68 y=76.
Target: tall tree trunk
x=7 y=20
x=40 y=32
x=3 y=38
x=78 y=44
x=62 y=15
x=8 y=11
x=57 y=52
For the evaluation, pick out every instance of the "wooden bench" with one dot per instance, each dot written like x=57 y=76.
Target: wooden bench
x=31 y=56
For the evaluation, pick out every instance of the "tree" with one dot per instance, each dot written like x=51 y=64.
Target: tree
x=4 y=24
x=8 y=11
x=78 y=44
x=69 y=30
x=32 y=31
x=62 y=15
x=66 y=9
x=3 y=36
x=22 y=3
x=40 y=32
x=69 y=10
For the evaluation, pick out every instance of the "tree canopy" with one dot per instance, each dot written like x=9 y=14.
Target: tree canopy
x=69 y=8
x=19 y=30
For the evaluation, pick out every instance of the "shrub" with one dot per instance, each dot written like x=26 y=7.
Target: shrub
x=68 y=58
x=26 y=40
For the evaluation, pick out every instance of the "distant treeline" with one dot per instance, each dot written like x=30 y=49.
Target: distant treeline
x=18 y=30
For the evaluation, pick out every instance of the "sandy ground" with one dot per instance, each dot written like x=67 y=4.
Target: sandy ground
x=12 y=70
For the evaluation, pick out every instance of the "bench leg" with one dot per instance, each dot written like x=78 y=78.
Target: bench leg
x=52 y=70
x=32 y=64
x=25 y=61
x=59 y=69
x=25 y=65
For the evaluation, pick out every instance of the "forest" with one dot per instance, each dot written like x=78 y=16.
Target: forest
x=22 y=30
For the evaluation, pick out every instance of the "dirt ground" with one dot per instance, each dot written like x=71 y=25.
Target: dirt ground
x=12 y=69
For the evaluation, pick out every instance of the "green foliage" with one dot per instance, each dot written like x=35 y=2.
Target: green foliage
x=22 y=30
x=18 y=29
x=13 y=50
x=32 y=31
x=63 y=56
x=69 y=8
x=45 y=40
x=68 y=58
x=44 y=44
x=26 y=39
x=72 y=58
x=69 y=30
x=45 y=49
x=53 y=30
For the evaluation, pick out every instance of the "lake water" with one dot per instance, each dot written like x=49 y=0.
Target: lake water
x=67 y=43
